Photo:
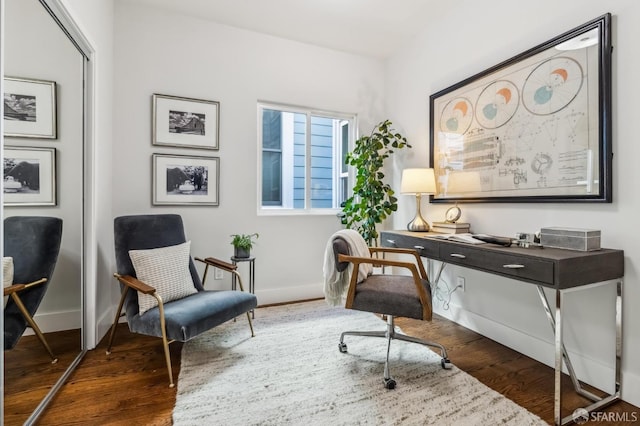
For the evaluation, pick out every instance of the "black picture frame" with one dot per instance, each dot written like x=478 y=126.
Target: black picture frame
x=534 y=128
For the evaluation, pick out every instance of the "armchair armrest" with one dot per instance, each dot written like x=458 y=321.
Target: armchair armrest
x=135 y=284
x=212 y=261
x=14 y=288
x=221 y=264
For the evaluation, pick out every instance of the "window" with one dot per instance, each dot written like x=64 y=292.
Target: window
x=303 y=157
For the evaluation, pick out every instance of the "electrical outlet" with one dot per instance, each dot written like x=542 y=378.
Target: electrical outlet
x=460 y=283
x=218 y=274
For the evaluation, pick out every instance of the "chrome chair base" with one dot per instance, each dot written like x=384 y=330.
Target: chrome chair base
x=391 y=334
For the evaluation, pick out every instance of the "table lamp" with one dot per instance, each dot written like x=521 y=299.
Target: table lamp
x=418 y=182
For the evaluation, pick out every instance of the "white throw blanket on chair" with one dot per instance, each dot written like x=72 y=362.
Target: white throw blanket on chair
x=336 y=283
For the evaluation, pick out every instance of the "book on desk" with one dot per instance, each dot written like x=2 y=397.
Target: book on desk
x=460 y=238
x=450 y=227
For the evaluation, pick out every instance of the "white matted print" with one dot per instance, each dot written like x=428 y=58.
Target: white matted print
x=185 y=180
x=29 y=108
x=185 y=122
x=29 y=176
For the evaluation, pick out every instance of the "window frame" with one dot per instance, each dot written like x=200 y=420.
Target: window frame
x=352 y=119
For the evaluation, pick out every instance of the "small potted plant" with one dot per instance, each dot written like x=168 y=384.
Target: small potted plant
x=242 y=244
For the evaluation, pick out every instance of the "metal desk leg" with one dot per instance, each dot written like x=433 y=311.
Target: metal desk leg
x=557 y=400
x=435 y=282
x=618 y=391
x=561 y=353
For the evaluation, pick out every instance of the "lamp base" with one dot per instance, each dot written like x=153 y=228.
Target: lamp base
x=418 y=224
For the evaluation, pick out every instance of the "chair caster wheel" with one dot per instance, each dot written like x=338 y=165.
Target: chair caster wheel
x=389 y=383
x=342 y=347
x=446 y=364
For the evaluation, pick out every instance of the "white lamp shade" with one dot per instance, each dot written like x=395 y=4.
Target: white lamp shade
x=418 y=181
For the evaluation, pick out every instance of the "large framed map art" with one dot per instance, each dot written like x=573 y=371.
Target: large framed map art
x=535 y=128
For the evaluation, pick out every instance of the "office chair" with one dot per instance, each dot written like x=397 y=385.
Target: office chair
x=388 y=295
x=179 y=313
x=33 y=242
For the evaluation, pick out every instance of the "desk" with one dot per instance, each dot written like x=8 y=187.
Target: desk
x=560 y=270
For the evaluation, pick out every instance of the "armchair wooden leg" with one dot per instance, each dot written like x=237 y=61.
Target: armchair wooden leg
x=33 y=325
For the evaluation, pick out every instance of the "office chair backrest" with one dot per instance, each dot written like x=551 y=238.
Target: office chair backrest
x=340 y=246
x=34 y=244
x=142 y=232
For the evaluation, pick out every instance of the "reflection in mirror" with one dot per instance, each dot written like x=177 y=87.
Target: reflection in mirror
x=37 y=50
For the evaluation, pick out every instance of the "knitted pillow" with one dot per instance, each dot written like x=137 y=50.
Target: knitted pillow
x=7 y=273
x=167 y=270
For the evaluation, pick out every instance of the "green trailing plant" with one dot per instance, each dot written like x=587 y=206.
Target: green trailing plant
x=243 y=241
x=373 y=199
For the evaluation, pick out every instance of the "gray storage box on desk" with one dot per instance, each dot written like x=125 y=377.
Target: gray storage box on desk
x=570 y=238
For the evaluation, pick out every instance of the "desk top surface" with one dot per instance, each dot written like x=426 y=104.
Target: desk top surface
x=551 y=267
x=538 y=252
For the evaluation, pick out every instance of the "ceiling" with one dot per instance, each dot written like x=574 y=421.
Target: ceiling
x=366 y=27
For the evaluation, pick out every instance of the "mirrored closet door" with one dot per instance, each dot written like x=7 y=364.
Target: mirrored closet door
x=43 y=176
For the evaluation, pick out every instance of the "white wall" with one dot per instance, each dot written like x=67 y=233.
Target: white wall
x=461 y=39
x=159 y=52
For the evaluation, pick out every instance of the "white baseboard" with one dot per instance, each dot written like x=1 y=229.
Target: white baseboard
x=103 y=325
x=56 y=321
x=289 y=294
x=588 y=370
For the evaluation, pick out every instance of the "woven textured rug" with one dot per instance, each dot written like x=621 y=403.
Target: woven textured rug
x=292 y=373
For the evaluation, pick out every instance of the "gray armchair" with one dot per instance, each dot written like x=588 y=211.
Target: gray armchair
x=34 y=244
x=406 y=296
x=177 y=320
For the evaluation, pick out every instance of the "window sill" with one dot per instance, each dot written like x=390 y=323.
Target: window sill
x=276 y=211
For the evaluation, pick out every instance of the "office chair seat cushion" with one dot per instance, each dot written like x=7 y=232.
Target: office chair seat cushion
x=194 y=314
x=390 y=295
x=167 y=270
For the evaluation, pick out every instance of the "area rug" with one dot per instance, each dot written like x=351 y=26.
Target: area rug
x=292 y=373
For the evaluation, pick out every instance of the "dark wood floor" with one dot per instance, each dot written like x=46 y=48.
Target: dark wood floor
x=131 y=385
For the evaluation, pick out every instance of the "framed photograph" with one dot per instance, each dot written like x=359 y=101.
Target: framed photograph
x=535 y=128
x=29 y=176
x=185 y=180
x=185 y=122
x=29 y=108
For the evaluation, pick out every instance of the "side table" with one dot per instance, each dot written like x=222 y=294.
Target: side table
x=252 y=275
